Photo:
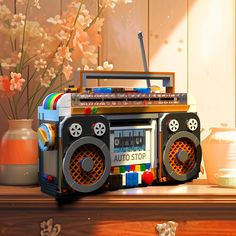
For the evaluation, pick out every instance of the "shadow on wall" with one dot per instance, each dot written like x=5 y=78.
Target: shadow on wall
x=165 y=18
x=157 y=19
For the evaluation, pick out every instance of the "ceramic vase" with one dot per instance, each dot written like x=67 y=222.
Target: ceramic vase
x=219 y=153
x=19 y=154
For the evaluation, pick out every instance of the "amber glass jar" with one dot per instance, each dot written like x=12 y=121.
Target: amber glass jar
x=19 y=154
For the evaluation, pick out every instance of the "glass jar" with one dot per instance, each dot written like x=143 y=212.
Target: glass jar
x=19 y=154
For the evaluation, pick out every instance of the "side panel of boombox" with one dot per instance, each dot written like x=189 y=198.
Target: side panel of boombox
x=179 y=147
x=86 y=154
x=76 y=156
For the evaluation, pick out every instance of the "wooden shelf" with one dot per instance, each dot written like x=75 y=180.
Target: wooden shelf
x=197 y=207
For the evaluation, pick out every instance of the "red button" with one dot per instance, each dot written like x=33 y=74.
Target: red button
x=132 y=167
x=147 y=177
x=49 y=178
x=87 y=110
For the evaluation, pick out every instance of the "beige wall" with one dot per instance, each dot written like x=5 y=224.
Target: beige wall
x=211 y=60
x=194 y=38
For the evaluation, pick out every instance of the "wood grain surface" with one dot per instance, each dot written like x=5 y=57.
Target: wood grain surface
x=199 y=209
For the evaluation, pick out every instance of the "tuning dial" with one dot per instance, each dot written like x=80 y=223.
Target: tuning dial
x=46 y=136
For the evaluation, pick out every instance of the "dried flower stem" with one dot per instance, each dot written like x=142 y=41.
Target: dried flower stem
x=29 y=59
x=23 y=37
x=5 y=113
x=27 y=90
x=64 y=83
x=1 y=72
x=15 y=107
x=26 y=85
x=12 y=45
x=12 y=111
x=15 y=13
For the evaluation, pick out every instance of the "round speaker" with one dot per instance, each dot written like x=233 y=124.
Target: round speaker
x=86 y=164
x=182 y=156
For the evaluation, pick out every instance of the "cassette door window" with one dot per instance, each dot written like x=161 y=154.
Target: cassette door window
x=132 y=144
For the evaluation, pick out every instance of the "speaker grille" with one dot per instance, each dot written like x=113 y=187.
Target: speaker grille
x=78 y=174
x=188 y=146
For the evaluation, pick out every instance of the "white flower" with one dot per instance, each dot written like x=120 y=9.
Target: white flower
x=62 y=35
x=49 y=75
x=67 y=71
x=82 y=8
x=63 y=53
x=55 y=20
x=83 y=20
x=36 y=4
x=18 y=20
x=98 y=24
x=110 y=3
x=7 y=65
x=106 y=66
x=127 y=1
x=51 y=72
x=44 y=81
x=89 y=56
x=40 y=64
x=5 y=13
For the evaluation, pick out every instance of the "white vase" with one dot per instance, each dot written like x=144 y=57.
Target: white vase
x=219 y=152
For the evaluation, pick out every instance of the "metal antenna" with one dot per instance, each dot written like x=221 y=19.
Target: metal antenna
x=140 y=36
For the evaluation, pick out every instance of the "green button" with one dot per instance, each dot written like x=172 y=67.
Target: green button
x=142 y=167
x=94 y=110
x=122 y=169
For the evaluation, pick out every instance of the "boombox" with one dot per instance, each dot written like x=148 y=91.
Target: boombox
x=112 y=137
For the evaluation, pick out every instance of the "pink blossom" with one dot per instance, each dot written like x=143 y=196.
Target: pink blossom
x=80 y=39
x=67 y=71
x=5 y=86
x=16 y=81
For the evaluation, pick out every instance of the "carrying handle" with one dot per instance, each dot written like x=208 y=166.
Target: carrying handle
x=167 y=78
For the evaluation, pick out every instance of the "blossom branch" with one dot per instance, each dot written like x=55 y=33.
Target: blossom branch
x=94 y=19
x=60 y=70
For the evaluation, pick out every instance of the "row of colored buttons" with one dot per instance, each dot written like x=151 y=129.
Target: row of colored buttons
x=130 y=179
x=123 y=169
